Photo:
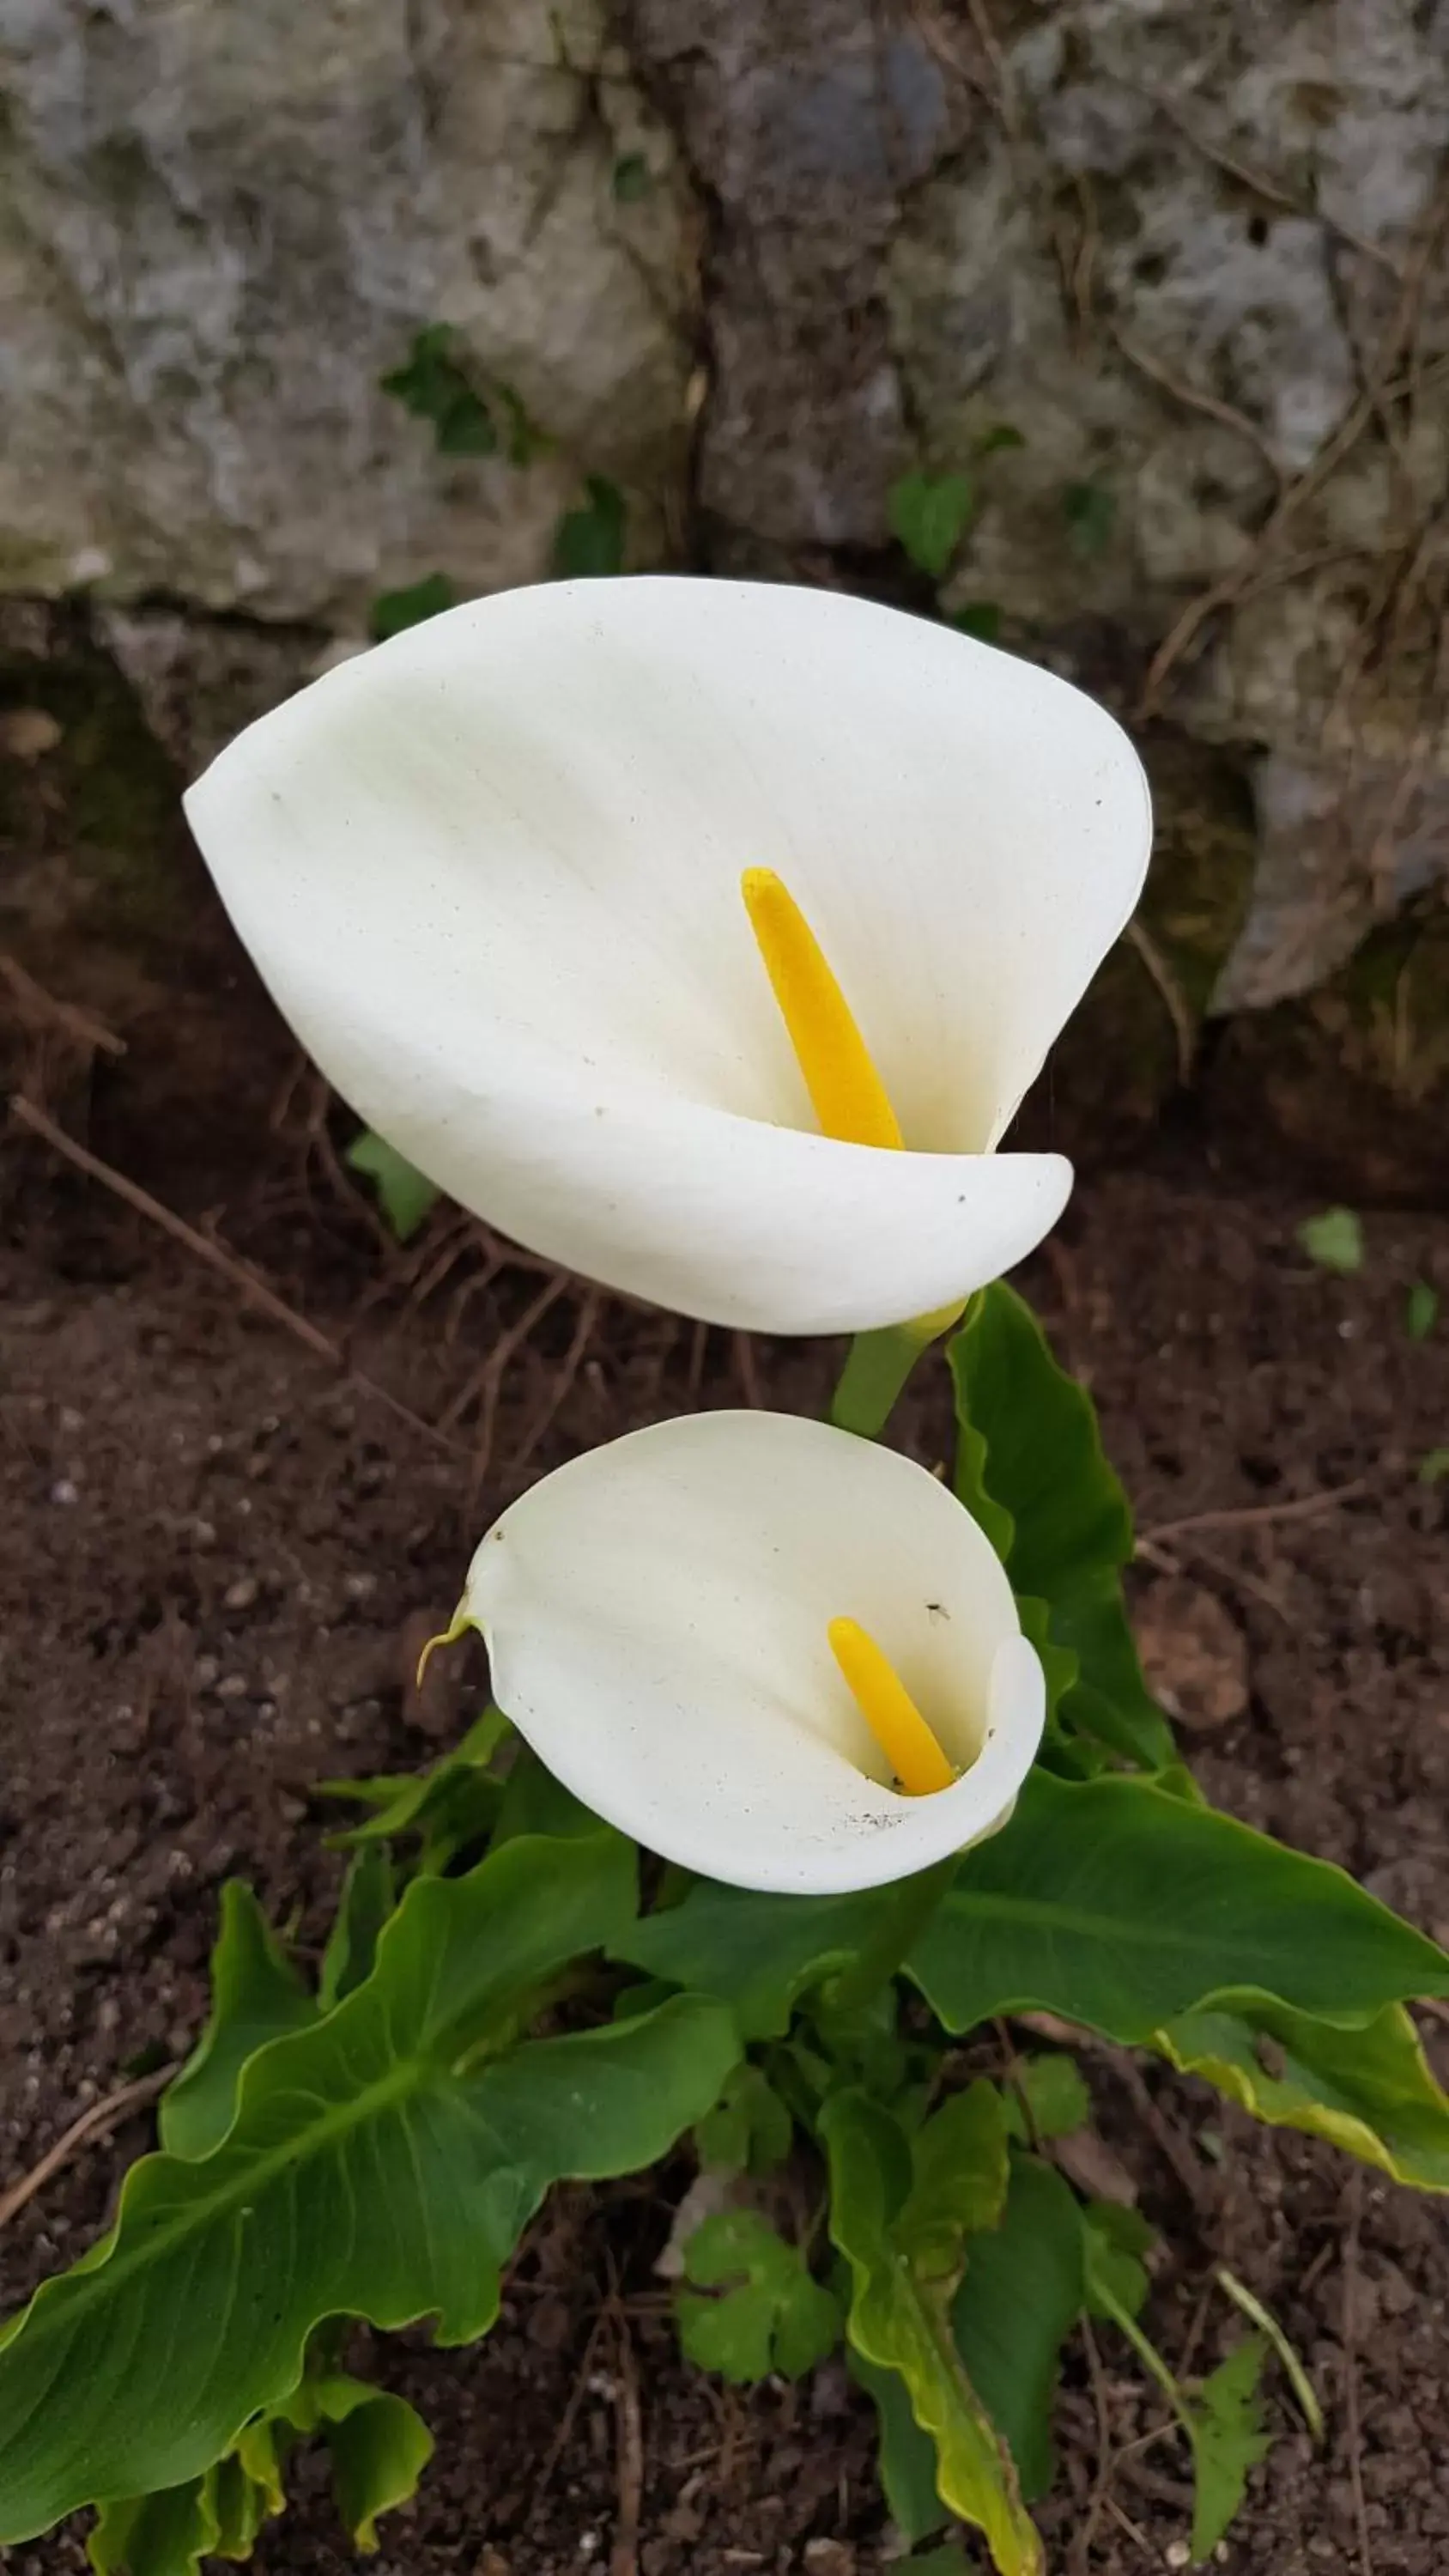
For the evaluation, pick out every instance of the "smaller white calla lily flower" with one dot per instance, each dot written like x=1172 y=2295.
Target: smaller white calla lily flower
x=703 y=936
x=768 y=1650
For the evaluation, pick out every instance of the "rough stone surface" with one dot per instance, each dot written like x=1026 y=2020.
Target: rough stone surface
x=219 y=227
x=754 y=265
x=1200 y=267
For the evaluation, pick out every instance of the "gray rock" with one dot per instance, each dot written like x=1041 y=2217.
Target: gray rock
x=220 y=226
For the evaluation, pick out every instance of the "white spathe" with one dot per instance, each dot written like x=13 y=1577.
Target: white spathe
x=491 y=874
x=656 y=1616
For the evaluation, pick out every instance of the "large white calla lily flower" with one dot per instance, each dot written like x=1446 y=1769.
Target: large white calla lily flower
x=651 y=917
x=737 y=1636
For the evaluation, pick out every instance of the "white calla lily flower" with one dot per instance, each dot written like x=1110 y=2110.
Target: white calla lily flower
x=712 y=1630
x=649 y=917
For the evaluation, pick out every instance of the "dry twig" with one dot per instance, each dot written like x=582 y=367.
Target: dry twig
x=79 y=1025
x=624 y=2557
x=1304 y=1507
x=237 y=1273
x=93 y=2123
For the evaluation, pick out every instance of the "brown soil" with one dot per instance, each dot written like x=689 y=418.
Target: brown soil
x=218 y=1553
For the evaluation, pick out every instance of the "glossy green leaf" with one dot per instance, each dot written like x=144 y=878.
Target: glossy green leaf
x=1023 y=2290
x=1228 y=2432
x=392 y=613
x=929 y=515
x=368 y=1898
x=256 y=1995
x=1370 y=2091
x=534 y=1802
x=1031 y=1469
x=1334 y=1240
x=760 y=1953
x=1116 y=1905
x=156 y=2535
x=749 y=2129
x=379 y=2445
x=381 y=2164
x=1047 y=2097
x=446 y=1811
x=405 y=1196
x=1114 y=2242
x=906 y=2458
x=589 y=541
x=958 y=2180
x=901 y=2321
x=767 y=2313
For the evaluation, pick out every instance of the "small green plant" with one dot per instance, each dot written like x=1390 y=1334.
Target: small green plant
x=371 y=2141
x=1334 y=1240
x=1421 y=1311
x=395 y=610
x=631 y=179
x=470 y=415
x=589 y=542
x=1090 y=512
x=405 y=1197
x=929 y=515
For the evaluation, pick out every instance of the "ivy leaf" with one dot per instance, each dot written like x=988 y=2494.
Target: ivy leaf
x=382 y=2164
x=1114 y=1904
x=901 y=2322
x=256 y=1996
x=749 y=2130
x=1030 y=1468
x=760 y=1953
x=928 y=515
x=1369 y=2090
x=393 y=611
x=1023 y=2290
x=1334 y=1240
x=1228 y=2432
x=433 y=387
x=771 y=2317
x=405 y=1196
x=589 y=541
x=368 y=1898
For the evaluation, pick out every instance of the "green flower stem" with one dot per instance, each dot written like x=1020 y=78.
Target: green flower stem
x=912 y=1904
x=877 y=1367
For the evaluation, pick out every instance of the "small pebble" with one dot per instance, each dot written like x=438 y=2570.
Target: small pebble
x=233 y=1687
x=64 y=1491
x=1178 y=2554
x=241 y=1594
